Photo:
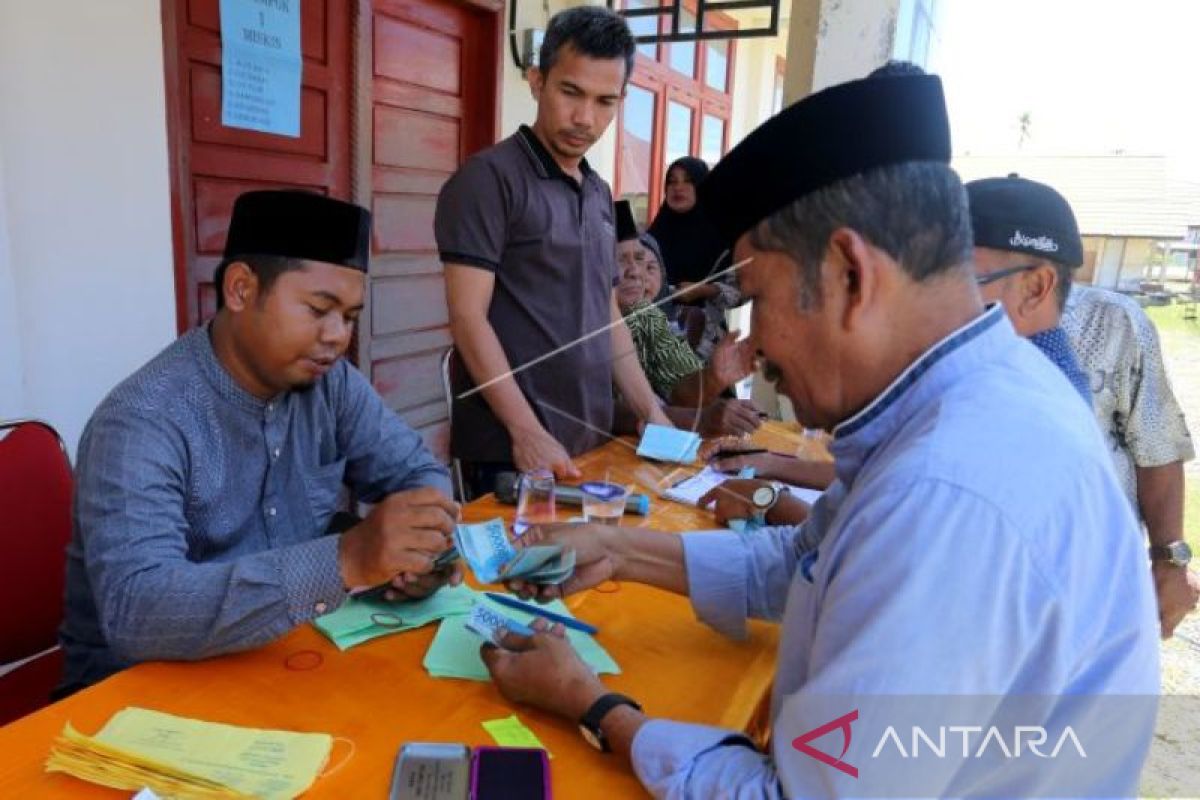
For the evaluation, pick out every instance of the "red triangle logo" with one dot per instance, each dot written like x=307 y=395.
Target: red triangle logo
x=842 y=723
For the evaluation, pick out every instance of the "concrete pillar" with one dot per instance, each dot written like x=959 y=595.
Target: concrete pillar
x=833 y=41
x=829 y=42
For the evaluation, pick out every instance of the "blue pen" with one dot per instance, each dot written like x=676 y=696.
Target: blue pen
x=529 y=608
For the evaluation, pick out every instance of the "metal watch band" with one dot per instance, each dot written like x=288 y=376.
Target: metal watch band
x=1176 y=552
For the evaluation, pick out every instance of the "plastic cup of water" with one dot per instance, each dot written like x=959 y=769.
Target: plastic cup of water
x=603 y=502
x=535 y=500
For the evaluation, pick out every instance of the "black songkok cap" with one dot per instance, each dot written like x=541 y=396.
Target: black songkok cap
x=296 y=224
x=626 y=227
x=1024 y=216
x=829 y=136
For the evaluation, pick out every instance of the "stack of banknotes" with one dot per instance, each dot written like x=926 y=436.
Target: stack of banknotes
x=492 y=557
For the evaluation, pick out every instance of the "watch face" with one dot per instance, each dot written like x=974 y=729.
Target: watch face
x=1180 y=552
x=591 y=738
x=763 y=496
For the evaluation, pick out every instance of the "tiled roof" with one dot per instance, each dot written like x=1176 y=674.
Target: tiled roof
x=1116 y=195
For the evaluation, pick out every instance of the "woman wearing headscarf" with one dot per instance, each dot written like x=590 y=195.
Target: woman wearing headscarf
x=693 y=251
x=689 y=243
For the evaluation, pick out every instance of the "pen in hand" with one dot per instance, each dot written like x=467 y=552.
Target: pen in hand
x=735 y=453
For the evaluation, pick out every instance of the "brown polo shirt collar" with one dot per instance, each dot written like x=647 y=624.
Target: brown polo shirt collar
x=544 y=163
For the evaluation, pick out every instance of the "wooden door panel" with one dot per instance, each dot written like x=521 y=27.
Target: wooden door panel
x=405 y=138
x=408 y=53
x=214 y=205
x=403 y=303
x=418 y=342
x=424 y=121
x=207 y=127
x=404 y=222
x=400 y=95
x=273 y=168
x=409 y=182
x=456 y=19
x=212 y=163
x=410 y=381
x=407 y=264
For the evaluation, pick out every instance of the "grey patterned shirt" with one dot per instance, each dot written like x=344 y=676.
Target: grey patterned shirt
x=199 y=509
x=1117 y=346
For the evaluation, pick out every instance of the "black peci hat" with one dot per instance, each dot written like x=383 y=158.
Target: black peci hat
x=296 y=224
x=834 y=134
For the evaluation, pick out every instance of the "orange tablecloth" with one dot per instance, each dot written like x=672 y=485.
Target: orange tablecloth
x=379 y=696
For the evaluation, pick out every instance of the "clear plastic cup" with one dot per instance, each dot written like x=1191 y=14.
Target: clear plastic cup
x=535 y=500
x=603 y=502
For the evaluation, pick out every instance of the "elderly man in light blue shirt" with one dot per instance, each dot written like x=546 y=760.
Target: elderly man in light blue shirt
x=974 y=567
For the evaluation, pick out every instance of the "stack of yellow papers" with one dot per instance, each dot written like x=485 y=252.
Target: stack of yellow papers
x=186 y=758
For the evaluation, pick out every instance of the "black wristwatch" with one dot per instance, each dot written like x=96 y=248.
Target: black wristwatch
x=589 y=725
x=1176 y=553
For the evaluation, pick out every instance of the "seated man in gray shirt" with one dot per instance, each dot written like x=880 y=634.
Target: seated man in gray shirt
x=206 y=480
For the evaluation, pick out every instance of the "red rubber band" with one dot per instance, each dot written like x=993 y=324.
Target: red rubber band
x=303 y=660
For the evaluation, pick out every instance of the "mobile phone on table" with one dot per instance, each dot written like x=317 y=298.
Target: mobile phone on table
x=432 y=771
x=510 y=773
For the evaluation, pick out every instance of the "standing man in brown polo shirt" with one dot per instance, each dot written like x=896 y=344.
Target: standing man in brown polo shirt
x=525 y=230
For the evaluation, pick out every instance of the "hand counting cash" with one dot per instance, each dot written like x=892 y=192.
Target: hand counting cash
x=492 y=557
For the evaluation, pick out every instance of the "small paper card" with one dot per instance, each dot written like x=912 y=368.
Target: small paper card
x=663 y=443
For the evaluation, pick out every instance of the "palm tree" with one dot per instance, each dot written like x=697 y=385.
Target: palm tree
x=1025 y=122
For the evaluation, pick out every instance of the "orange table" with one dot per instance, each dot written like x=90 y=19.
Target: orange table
x=379 y=696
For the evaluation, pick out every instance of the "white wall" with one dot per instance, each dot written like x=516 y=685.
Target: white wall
x=12 y=392
x=754 y=83
x=86 y=200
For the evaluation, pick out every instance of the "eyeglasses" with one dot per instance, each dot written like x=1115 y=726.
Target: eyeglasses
x=1000 y=274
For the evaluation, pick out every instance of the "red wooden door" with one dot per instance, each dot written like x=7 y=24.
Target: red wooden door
x=434 y=73
x=395 y=93
x=212 y=164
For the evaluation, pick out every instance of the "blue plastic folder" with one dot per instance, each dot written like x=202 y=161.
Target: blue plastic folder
x=662 y=443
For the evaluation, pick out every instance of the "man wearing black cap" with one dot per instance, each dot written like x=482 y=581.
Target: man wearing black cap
x=961 y=569
x=525 y=231
x=1027 y=245
x=206 y=480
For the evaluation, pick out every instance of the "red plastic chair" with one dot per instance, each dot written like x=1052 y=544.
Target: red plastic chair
x=35 y=524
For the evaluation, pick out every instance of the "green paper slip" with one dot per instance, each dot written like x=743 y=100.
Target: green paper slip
x=360 y=620
x=511 y=732
x=455 y=650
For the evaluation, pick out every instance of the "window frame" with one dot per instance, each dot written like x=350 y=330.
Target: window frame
x=657 y=76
